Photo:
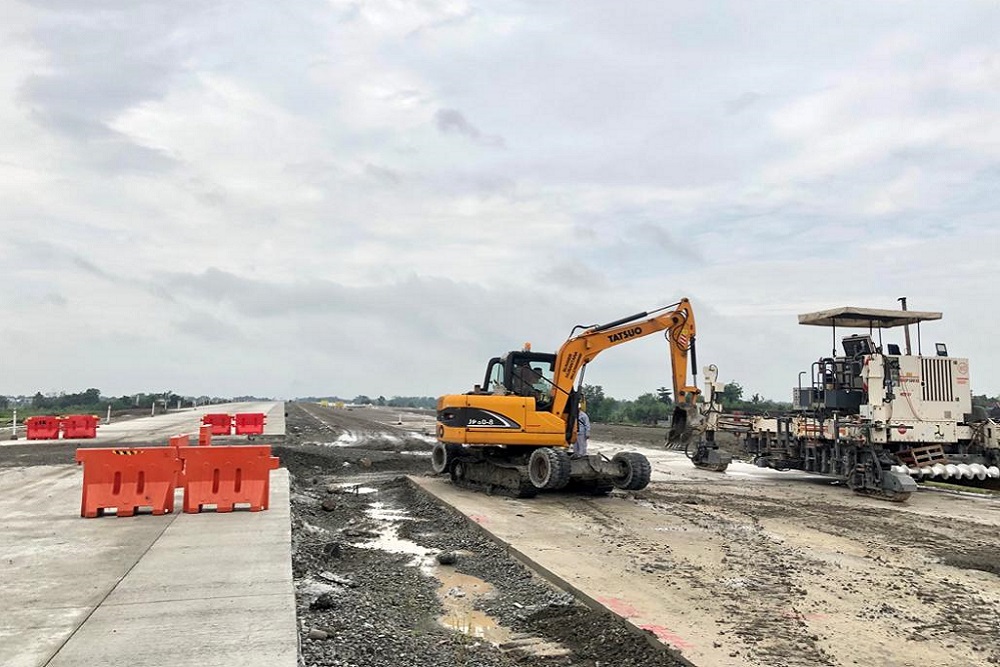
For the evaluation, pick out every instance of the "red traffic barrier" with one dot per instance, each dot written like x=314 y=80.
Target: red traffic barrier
x=205 y=436
x=249 y=423
x=227 y=476
x=79 y=426
x=128 y=479
x=42 y=428
x=182 y=440
x=221 y=424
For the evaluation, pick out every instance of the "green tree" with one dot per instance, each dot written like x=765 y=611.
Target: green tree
x=663 y=393
x=599 y=406
x=647 y=409
x=731 y=395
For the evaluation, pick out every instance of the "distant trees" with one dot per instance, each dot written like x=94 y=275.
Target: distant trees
x=91 y=398
x=732 y=395
x=647 y=409
x=658 y=406
x=663 y=393
x=424 y=402
x=91 y=401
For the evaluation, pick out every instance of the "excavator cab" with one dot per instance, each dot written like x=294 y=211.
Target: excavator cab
x=523 y=373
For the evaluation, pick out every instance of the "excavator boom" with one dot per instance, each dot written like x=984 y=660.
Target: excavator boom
x=677 y=320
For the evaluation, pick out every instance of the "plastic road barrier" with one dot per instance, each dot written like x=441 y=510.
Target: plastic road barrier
x=249 y=423
x=205 y=436
x=221 y=424
x=227 y=476
x=128 y=479
x=42 y=428
x=79 y=426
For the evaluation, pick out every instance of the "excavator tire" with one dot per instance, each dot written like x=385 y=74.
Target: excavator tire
x=549 y=468
x=440 y=458
x=458 y=471
x=635 y=471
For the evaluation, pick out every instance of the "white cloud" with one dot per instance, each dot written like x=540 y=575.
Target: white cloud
x=353 y=191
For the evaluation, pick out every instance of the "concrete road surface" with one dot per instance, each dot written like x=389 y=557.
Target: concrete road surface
x=162 y=426
x=182 y=589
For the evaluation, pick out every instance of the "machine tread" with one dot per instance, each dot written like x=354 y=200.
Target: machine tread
x=549 y=468
x=636 y=471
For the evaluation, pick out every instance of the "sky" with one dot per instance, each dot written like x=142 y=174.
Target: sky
x=339 y=198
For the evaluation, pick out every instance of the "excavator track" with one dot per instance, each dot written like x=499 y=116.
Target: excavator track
x=708 y=458
x=491 y=478
x=891 y=496
x=721 y=467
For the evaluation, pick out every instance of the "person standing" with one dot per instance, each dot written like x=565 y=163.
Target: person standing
x=582 y=431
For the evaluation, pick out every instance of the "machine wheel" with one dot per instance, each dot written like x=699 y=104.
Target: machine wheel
x=458 y=471
x=440 y=458
x=635 y=471
x=549 y=468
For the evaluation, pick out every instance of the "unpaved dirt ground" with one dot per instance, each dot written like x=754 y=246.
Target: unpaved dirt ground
x=371 y=591
x=776 y=569
x=792 y=570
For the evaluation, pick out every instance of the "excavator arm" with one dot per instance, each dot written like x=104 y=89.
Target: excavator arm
x=677 y=320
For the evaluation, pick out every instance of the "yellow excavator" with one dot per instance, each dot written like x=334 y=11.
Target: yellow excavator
x=513 y=433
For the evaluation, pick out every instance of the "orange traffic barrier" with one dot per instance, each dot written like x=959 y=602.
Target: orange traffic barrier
x=205 y=436
x=128 y=479
x=79 y=426
x=227 y=476
x=221 y=424
x=249 y=423
x=182 y=440
x=42 y=428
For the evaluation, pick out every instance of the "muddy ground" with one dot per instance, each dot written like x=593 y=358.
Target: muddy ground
x=776 y=569
x=770 y=568
x=371 y=590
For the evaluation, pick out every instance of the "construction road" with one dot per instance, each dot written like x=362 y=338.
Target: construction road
x=757 y=567
x=750 y=567
x=179 y=589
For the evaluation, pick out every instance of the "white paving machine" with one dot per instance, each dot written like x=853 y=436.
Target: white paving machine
x=877 y=416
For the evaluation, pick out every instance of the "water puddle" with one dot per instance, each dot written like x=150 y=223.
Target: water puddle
x=355 y=488
x=344 y=440
x=459 y=594
x=387 y=538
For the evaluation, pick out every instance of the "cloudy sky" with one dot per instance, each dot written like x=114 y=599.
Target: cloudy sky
x=347 y=197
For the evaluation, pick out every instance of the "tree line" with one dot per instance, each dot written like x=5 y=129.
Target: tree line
x=648 y=408
x=91 y=400
x=654 y=407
